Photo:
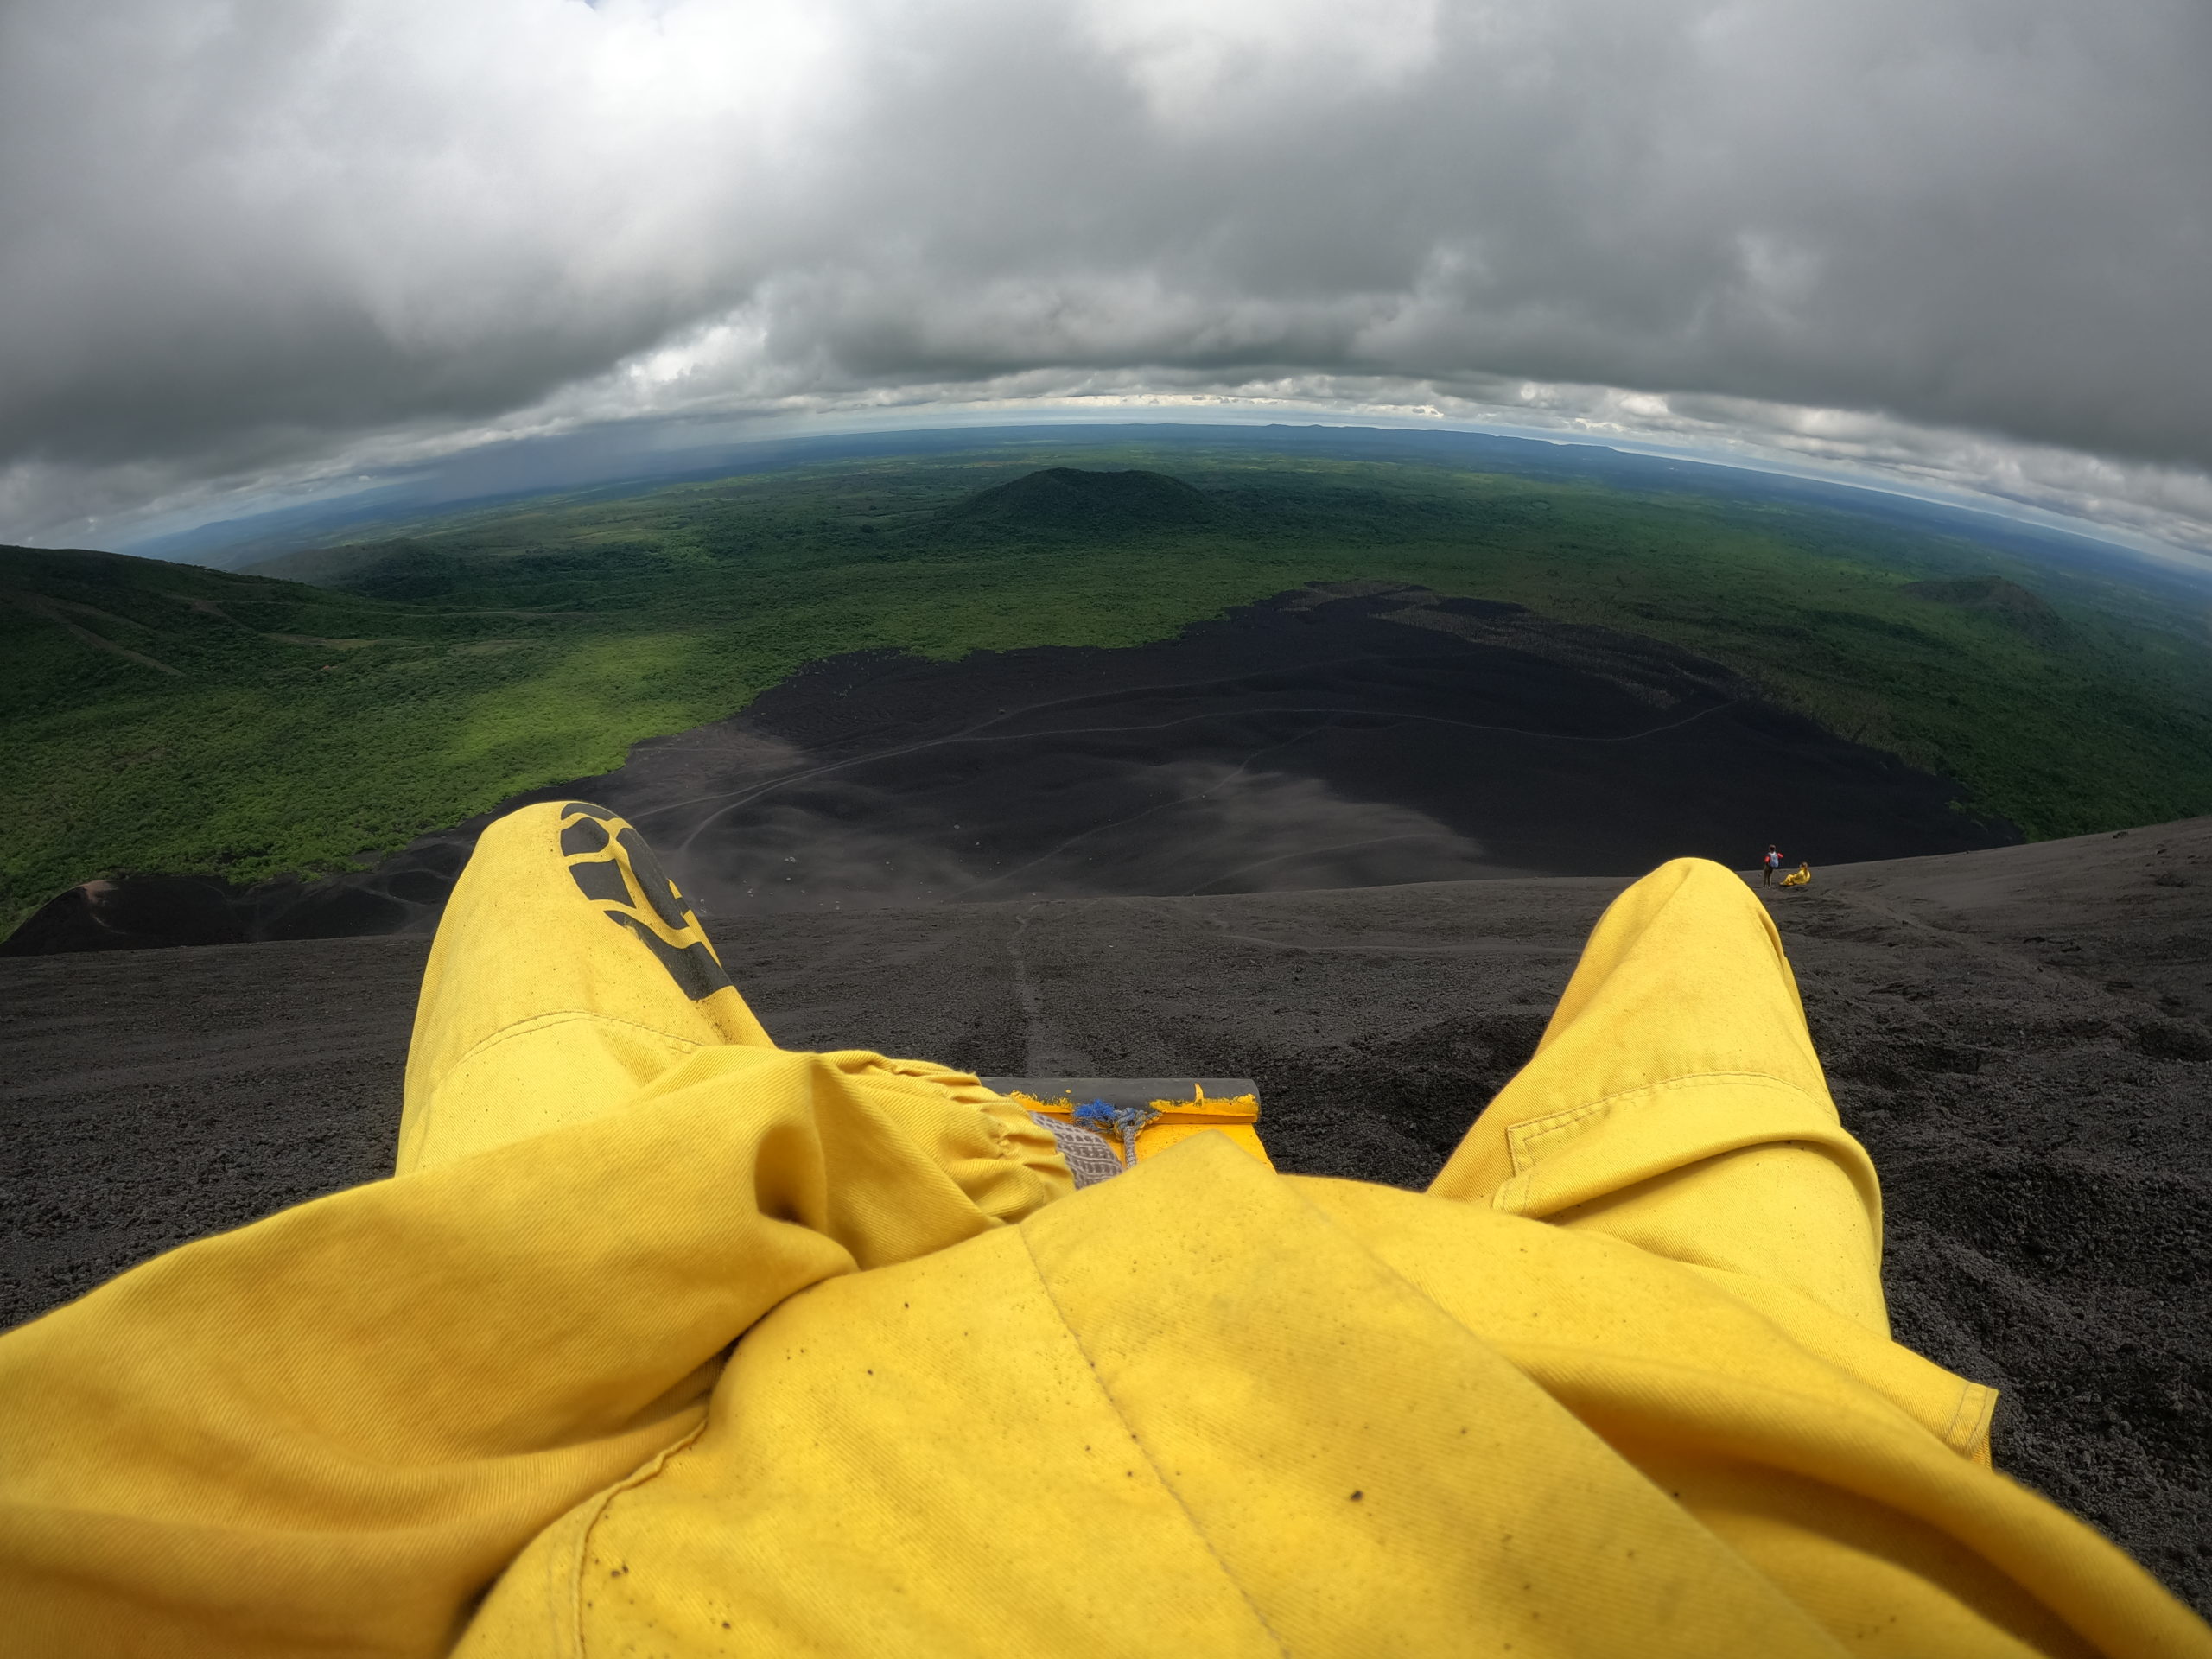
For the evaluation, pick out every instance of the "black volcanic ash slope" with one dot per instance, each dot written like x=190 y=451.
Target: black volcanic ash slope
x=2018 y=1036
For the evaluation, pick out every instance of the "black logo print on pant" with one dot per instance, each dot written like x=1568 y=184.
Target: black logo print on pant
x=630 y=870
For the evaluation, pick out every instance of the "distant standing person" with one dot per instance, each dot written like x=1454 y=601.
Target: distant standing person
x=1770 y=864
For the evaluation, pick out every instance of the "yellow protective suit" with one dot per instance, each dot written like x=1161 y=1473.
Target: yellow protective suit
x=665 y=1341
x=1799 y=877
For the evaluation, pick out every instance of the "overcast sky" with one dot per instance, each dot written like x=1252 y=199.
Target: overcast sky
x=248 y=247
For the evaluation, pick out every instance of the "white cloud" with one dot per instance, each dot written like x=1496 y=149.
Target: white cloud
x=1208 y=66
x=257 y=244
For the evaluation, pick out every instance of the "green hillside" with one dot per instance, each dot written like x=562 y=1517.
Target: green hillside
x=160 y=717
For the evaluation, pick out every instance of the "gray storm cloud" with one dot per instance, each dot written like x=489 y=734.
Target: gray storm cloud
x=244 y=241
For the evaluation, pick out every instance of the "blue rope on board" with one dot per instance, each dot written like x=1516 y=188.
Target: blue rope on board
x=1125 y=1119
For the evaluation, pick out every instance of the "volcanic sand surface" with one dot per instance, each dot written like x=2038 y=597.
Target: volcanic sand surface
x=2018 y=1035
x=1345 y=736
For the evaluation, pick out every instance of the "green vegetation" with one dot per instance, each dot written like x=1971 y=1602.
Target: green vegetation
x=169 y=717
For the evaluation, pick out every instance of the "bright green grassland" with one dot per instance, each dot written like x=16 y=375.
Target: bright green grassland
x=304 y=729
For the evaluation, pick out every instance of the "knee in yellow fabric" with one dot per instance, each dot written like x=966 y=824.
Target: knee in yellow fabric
x=1675 y=1102
x=568 y=971
x=613 y=869
x=1765 y=1211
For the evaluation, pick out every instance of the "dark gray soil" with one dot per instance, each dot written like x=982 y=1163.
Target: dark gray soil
x=1344 y=736
x=2018 y=1034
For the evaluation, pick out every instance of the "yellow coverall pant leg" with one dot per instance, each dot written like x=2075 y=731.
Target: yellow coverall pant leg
x=1675 y=1103
x=568 y=972
x=329 y=1431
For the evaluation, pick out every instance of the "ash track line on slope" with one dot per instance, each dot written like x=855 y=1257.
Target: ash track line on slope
x=1045 y=1049
x=1082 y=699
x=1513 y=947
x=1313 y=852
x=133 y=1066
x=1889 y=910
x=738 y=798
x=746 y=798
x=1180 y=800
x=2004 y=960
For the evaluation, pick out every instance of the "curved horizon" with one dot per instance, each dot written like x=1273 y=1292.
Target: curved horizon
x=1947 y=247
